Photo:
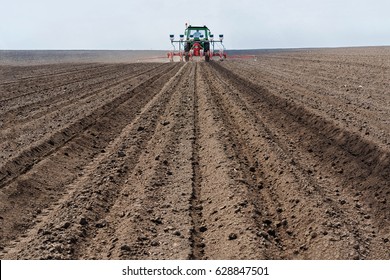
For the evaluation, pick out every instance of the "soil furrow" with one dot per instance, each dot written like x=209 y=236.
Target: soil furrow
x=227 y=213
x=197 y=244
x=261 y=212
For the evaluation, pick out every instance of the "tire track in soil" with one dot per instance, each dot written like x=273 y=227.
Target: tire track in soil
x=197 y=244
x=354 y=236
x=66 y=160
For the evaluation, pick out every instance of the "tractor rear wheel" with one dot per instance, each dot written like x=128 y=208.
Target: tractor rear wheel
x=187 y=47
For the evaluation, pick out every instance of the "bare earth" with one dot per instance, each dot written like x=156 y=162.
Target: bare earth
x=283 y=156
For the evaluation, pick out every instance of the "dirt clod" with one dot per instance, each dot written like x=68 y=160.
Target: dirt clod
x=121 y=154
x=203 y=229
x=232 y=236
x=101 y=224
x=126 y=248
x=83 y=221
x=66 y=225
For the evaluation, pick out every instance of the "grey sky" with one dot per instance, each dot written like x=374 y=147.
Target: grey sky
x=146 y=24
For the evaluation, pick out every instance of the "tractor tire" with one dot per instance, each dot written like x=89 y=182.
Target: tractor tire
x=187 y=47
x=206 y=46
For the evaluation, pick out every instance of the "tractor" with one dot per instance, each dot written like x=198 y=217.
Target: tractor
x=197 y=41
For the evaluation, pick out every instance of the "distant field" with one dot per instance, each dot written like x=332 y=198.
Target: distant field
x=36 y=57
x=40 y=57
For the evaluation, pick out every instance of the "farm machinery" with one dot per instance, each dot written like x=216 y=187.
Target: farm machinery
x=197 y=41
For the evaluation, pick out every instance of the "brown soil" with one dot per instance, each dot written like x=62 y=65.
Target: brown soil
x=285 y=156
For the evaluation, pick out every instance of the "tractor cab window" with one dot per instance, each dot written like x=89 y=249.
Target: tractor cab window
x=197 y=34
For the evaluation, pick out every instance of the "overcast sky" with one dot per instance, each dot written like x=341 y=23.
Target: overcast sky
x=146 y=24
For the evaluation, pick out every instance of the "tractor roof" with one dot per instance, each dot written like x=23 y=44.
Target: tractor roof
x=204 y=27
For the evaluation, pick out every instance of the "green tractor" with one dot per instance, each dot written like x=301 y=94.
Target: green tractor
x=197 y=41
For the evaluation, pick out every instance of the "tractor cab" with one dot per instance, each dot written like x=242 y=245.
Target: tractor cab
x=197 y=34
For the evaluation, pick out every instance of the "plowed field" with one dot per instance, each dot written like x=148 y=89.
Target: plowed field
x=286 y=156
